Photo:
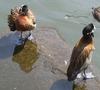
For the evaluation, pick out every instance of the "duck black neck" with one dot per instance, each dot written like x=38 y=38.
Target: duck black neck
x=87 y=38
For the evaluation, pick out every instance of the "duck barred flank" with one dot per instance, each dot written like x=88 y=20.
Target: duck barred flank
x=11 y=24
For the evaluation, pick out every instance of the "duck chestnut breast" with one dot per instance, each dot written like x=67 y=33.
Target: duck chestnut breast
x=23 y=23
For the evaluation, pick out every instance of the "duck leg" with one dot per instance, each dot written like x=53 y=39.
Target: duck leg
x=20 y=39
x=88 y=75
x=30 y=36
x=84 y=74
x=21 y=35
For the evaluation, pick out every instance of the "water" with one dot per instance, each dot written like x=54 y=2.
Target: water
x=51 y=13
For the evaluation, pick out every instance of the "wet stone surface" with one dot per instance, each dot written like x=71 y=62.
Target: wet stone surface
x=49 y=69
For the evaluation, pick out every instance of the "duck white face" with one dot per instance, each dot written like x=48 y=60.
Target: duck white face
x=93 y=30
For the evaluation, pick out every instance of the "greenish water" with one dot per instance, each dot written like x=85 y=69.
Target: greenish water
x=51 y=13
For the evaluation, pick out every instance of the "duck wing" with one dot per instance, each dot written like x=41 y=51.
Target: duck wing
x=12 y=18
x=77 y=61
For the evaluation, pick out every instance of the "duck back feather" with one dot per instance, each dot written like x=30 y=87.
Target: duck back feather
x=18 y=22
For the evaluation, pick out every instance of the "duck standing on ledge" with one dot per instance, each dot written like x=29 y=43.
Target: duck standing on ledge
x=21 y=19
x=81 y=54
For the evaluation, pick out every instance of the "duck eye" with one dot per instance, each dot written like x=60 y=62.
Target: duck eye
x=88 y=33
x=34 y=22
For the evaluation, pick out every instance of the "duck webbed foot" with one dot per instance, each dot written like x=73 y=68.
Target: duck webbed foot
x=88 y=75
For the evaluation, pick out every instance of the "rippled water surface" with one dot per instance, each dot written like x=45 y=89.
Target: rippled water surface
x=68 y=17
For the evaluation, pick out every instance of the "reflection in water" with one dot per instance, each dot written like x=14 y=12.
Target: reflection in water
x=26 y=55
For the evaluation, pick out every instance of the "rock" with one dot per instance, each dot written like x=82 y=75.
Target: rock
x=49 y=69
x=89 y=84
x=25 y=55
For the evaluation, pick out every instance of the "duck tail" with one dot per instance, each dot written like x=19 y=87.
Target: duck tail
x=71 y=77
x=71 y=74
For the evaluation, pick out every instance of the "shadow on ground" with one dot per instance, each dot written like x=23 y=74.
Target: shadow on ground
x=7 y=46
x=62 y=85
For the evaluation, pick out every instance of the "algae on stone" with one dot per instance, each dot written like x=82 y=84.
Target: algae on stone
x=79 y=87
x=26 y=55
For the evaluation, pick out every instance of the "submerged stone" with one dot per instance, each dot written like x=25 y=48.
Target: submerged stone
x=25 y=55
x=79 y=87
